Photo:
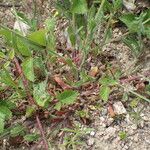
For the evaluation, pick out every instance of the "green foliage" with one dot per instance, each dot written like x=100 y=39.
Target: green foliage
x=72 y=140
x=105 y=90
x=17 y=130
x=6 y=78
x=122 y=135
x=104 y=93
x=28 y=70
x=40 y=94
x=66 y=98
x=38 y=37
x=38 y=57
x=137 y=24
x=31 y=137
x=79 y=6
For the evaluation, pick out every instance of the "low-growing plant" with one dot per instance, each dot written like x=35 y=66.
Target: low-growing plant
x=30 y=63
x=138 y=28
x=73 y=138
x=123 y=135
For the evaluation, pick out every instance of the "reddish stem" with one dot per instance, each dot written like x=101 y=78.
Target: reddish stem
x=31 y=100
x=42 y=132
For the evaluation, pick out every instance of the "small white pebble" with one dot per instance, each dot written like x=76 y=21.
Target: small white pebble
x=90 y=141
x=92 y=133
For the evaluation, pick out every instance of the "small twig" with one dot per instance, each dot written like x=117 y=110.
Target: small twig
x=25 y=82
x=42 y=132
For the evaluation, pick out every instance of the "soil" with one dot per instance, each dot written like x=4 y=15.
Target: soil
x=135 y=122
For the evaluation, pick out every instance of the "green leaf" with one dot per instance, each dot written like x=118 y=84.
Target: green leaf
x=6 y=78
x=2 y=122
x=104 y=93
x=117 y=4
x=6 y=111
x=28 y=70
x=31 y=137
x=131 y=22
x=23 y=48
x=38 y=37
x=17 y=130
x=58 y=106
x=8 y=35
x=11 y=54
x=108 y=81
x=67 y=97
x=41 y=96
x=2 y=55
x=79 y=6
x=7 y=103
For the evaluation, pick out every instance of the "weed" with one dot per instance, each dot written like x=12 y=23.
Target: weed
x=31 y=65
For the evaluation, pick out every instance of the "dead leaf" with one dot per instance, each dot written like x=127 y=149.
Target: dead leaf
x=93 y=72
x=61 y=82
x=140 y=86
x=111 y=111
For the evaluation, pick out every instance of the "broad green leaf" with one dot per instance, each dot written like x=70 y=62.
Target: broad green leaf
x=28 y=70
x=8 y=34
x=6 y=111
x=79 y=6
x=67 y=97
x=41 y=96
x=17 y=130
x=23 y=48
x=38 y=37
x=6 y=78
x=2 y=122
x=131 y=22
x=31 y=137
x=104 y=93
